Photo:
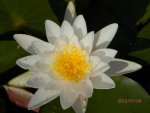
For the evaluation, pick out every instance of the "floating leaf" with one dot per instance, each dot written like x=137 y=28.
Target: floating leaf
x=143 y=54
x=127 y=97
x=145 y=32
x=20 y=80
x=19 y=96
x=146 y=16
x=20 y=14
x=10 y=52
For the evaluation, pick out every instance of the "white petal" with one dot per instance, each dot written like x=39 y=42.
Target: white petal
x=52 y=30
x=54 y=85
x=66 y=29
x=95 y=61
x=25 y=41
x=102 y=81
x=67 y=98
x=42 y=97
x=120 y=67
x=70 y=13
x=20 y=81
x=43 y=65
x=38 y=80
x=105 y=36
x=84 y=88
x=40 y=47
x=105 y=55
x=87 y=42
x=28 y=61
x=79 y=27
x=100 y=68
x=104 y=52
x=80 y=105
x=74 y=40
x=59 y=42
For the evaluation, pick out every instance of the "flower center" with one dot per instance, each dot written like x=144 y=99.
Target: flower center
x=70 y=63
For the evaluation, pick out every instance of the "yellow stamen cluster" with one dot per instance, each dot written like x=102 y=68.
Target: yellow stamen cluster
x=70 y=63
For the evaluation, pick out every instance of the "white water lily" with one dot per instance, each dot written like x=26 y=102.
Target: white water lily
x=72 y=63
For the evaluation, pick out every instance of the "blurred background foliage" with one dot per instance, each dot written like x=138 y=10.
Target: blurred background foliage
x=132 y=42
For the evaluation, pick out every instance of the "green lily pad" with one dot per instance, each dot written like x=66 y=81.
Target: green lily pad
x=145 y=32
x=143 y=54
x=24 y=14
x=10 y=52
x=146 y=16
x=127 y=97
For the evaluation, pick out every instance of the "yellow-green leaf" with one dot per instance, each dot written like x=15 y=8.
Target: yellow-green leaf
x=9 y=53
x=24 y=14
x=146 y=16
x=143 y=54
x=145 y=32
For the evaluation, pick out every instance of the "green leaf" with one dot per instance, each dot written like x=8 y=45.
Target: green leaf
x=145 y=32
x=146 y=16
x=143 y=54
x=10 y=52
x=127 y=97
x=22 y=14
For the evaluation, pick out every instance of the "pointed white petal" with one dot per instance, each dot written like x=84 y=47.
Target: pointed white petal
x=67 y=98
x=40 y=46
x=87 y=42
x=42 y=97
x=84 y=88
x=100 y=68
x=95 y=61
x=105 y=36
x=52 y=30
x=59 y=42
x=66 y=29
x=28 y=61
x=70 y=13
x=104 y=52
x=80 y=105
x=74 y=40
x=79 y=27
x=20 y=81
x=54 y=85
x=102 y=81
x=25 y=41
x=38 y=80
x=43 y=66
x=120 y=67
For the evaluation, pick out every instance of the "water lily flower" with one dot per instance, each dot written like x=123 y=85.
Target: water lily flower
x=72 y=63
